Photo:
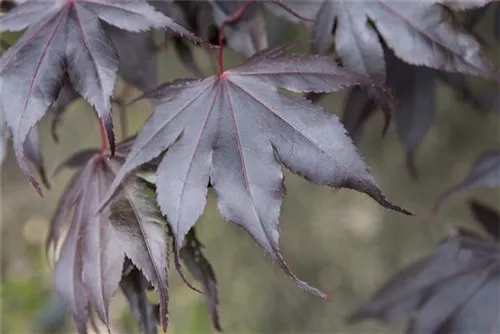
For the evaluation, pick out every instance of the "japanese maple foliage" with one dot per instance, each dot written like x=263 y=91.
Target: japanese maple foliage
x=128 y=207
x=66 y=37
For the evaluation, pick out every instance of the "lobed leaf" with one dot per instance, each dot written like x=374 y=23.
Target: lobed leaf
x=66 y=38
x=235 y=130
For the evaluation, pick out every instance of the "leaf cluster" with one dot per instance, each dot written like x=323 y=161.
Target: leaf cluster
x=129 y=207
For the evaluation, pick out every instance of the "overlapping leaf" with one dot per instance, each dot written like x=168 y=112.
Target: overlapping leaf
x=137 y=54
x=248 y=35
x=202 y=271
x=236 y=129
x=90 y=264
x=66 y=37
x=453 y=290
x=420 y=33
x=475 y=15
x=134 y=286
x=488 y=217
x=414 y=88
x=485 y=173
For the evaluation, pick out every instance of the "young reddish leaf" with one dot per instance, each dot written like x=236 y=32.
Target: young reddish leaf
x=453 y=290
x=420 y=33
x=235 y=130
x=485 y=172
x=66 y=36
x=134 y=286
x=202 y=271
x=488 y=217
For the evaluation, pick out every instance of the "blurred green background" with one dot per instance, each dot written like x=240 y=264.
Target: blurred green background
x=339 y=241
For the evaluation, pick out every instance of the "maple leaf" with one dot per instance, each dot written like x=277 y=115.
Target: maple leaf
x=134 y=286
x=235 y=130
x=247 y=35
x=475 y=15
x=453 y=290
x=66 y=37
x=420 y=33
x=202 y=271
x=414 y=88
x=485 y=173
x=488 y=217
x=89 y=267
x=138 y=67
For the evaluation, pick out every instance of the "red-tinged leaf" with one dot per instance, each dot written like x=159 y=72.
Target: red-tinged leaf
x=420 y=33
x=489 y=218
x=485 y=173
x=141 y=232
x=236 y=129
x=134 y=286
x=202 y=271
x=453 y=290
x=66 y=37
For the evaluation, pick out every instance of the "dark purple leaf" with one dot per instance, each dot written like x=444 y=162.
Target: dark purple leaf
x=418 y=33
x=359 y=107
x=202 y=271
x=414 y=89
x=458 y=83
x=134 y=286
x=66 y=37
x=236 y=129
x=444 y=290
x=137 y=54
x=248 y=35
x=488 y=217
x=65 y=98
x=33 y=149
x=485 y=173
x=97 y=244
x=185 y=54
x=141 y=232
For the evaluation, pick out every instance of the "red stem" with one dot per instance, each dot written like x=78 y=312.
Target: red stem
x=103 y=136
x=236 y=16
x=229 y=20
